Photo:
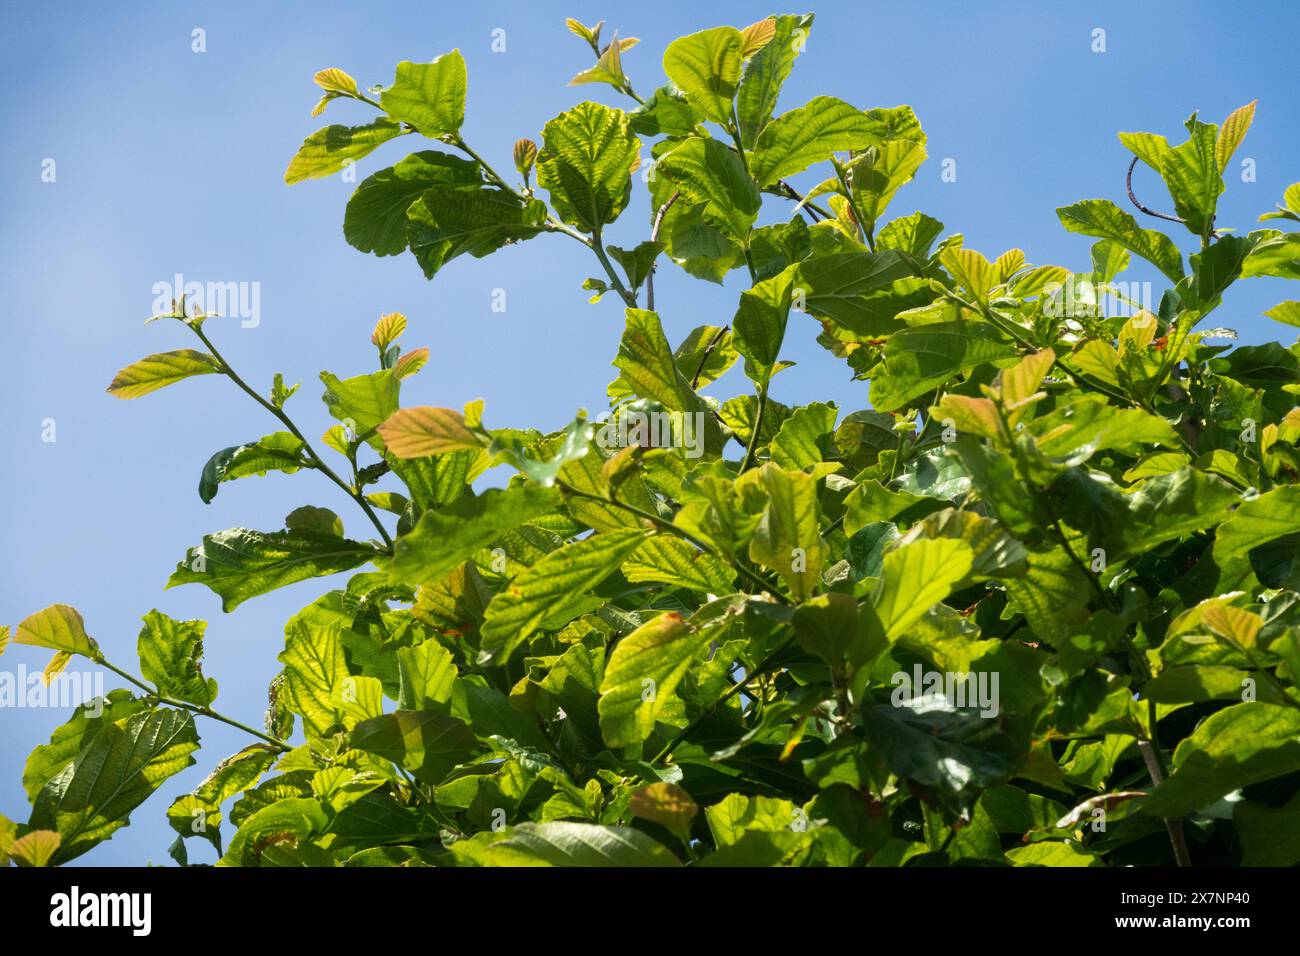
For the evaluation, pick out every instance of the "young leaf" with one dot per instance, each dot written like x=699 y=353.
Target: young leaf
x=444 y=539
x=328 y=150
x=156 y=371
x=422 y=430
x=239 y=564
x=553 y=590
x=1103 y=219
x=705 y=66
x=586 y=163
x=58 y=627
x=642 y=674
x=429 y=96
x=171 y=655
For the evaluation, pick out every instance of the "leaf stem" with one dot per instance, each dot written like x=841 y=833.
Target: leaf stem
x=192 y=708
x=752 y=449
x=314 y=459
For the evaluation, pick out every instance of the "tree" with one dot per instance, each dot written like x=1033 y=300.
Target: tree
x=1037 y=605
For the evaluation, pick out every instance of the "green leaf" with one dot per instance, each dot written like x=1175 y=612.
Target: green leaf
x=428 y=676
x=171 y=655
x=641 y=675
x=838 y=286
x=561 y=843
x=156 y=371
x=1258 y=521
x=1089 y=425
x=810 y=134
x=1192 y=173
x=362 y=403
x=672 y=561
x=706 y=354
x=766 y=72
x=239 y=564
x=786 y=539
x=1170 y=506
x=119 y=768
x=279 y=451
x=1285 y=312
x=429 y=96
x=551 y=589
x=1275 y=254
x=799 y=443
x=1052 y=853
x=879 y=174
x=835 y=627
x=450 y=221
x=637 y=262
x=444 y=539
x=1270 y=836
x=924 y=357
x=427 y=743
x=1235 y=747
x=649 y=369
x=48 y=760
x=586 y=164
x=58 y=627
x=328 y=150
x=664 y=113
x=930 y=740
x=314 y=669
x=713 y=176
x=917 y=576
x=287 y=822
x=376 y=217
x=760 y=323
x=1103 y=219
x=705 y=66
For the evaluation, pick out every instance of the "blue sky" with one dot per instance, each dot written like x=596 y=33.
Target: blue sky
x=172 y=161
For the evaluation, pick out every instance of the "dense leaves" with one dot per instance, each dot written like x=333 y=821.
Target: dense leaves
x=1034 y=602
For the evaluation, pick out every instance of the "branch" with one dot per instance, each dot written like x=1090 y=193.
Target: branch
x=193 y=708
x=1128 y=183
x=654 y=237
x=314 y=460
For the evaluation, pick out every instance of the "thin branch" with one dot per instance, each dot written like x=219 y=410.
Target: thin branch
x=1128 y=183
x=193 y=708
x=314 y=460
x=654 y=237
x=708 y=350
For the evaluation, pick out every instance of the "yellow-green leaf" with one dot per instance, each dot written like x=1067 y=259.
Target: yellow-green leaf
x=156 y=371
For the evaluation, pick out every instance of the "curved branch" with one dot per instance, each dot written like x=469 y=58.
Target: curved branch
x=1128 y=184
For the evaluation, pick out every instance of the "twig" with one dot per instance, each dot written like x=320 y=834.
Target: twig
x=1128 y=183
x=654 y=237
x=314 y=460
